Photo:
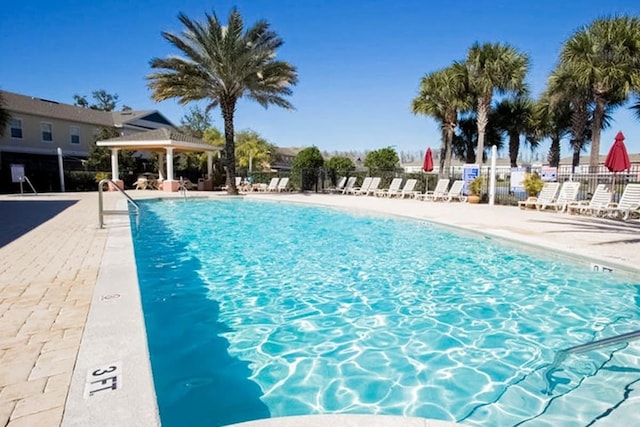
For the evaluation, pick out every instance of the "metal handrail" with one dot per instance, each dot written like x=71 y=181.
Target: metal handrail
x=561 y=355
x=102 y=212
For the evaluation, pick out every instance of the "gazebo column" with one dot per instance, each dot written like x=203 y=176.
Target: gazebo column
x=170 y=184
x=115 y=174
x=161 y=173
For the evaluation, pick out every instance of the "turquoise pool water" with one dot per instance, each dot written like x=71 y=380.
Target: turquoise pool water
x=258 y=310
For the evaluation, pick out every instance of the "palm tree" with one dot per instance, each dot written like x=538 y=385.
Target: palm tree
x=465 y=141
x=605 y=57
x=4 y=115
x=493 y=67
x=442 y=95
x=222 y=64
x=515 y=117
x=553 y=120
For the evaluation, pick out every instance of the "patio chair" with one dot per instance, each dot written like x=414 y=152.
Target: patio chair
x=629 y=203
x=546 y=197
x=455 y=192
x=282 y=185
x=373 y=187
x=273 y=185
x=349 y=185
x=568 y=194
x=394 y=188
x=364 y=186
x=408 y=189
x=597 y=206
x=338 y=188
x=141 y=184
x=438 y=192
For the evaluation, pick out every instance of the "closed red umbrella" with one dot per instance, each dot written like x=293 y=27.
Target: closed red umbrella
x=617 y=159
x=427 y=165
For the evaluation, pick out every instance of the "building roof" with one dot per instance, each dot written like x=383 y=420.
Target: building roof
x=56 y=110
x=158 y=139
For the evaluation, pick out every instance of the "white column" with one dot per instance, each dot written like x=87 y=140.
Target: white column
x=115 y=175
x=161 y=166
x=209 y=164
x=170 y=163
x=492 y=176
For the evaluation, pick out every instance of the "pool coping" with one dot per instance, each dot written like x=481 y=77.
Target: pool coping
x=120 y=342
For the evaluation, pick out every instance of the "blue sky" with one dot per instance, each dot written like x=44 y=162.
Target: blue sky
x=359 y=62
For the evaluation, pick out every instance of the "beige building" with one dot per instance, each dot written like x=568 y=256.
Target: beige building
x=39 y=127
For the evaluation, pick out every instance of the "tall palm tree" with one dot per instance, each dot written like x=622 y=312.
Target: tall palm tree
x=465 y=141
x=442 y=95
x=515 y=117
x=605 y=57
x=493 y=67
x=222 y=64
x=553 y=120
x=4 y=115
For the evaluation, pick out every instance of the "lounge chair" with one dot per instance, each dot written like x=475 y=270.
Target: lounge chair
x=282 y=185
x=597 y=206
x=394 y=189
x=348 y=187
x=338 y=188
x=568 y=194
x=439 y=192
x=455 y=192
x=408 y=189
x=273 y=185
x=629 y=203
x=546 y=197
x=363 y=187
x=373 y=187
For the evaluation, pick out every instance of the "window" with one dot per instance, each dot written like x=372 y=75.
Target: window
x=74 y=131
x=47 y=132
x=16 y=128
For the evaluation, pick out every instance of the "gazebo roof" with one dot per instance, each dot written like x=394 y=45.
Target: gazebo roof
x=158 y=139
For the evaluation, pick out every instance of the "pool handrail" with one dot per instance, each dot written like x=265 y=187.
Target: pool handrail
x=102 y=212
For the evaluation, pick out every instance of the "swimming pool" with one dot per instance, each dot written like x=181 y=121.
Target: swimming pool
x=260 y=309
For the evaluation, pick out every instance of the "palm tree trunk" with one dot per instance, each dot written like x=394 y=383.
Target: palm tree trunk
x=483 y=119
x=449 y=142
x=443 y=153
x=514 y=148
x=598 y=118
x=554 y=152
x=228 y=108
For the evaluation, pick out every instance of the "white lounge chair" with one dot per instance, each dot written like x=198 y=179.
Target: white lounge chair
x=141 y=184
x=394 y=188
x=348 y=187
x=546 y=197
x=408 y=189
x=455 y=192
x=629 y=203
x=373 y=187
x=439 y=192
x=568 y=194
x=282 y=185
x=338 y=188
x=363 y=187
x=597 y=206
x=273 y=185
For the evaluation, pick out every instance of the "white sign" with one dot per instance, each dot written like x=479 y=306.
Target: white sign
x=547 y=173
x=17 y=173
x=469 y=173
x=517 y=177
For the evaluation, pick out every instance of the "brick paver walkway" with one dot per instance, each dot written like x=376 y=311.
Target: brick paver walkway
x=47 y=277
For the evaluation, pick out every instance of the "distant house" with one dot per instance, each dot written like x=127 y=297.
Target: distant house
x=284 y=159
x=38 y=127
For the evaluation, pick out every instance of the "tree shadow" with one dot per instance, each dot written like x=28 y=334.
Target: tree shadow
x=197 y=382
x=19 y=217
x=597 y=225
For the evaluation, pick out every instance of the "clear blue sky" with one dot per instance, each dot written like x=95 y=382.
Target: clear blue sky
x=359 y=62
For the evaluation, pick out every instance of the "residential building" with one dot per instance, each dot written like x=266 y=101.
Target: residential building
x=39 y=127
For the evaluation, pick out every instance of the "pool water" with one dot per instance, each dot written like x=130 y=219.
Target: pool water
x=260 y=309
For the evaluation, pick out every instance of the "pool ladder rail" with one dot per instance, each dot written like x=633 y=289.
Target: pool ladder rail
x=102 y=212
x=583 y=348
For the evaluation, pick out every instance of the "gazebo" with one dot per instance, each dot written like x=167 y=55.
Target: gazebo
x=164 y=141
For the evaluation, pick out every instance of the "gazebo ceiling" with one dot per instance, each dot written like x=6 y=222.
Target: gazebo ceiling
x=158 y=140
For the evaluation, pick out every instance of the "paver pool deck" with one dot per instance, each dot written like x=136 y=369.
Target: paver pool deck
x=52 y=253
